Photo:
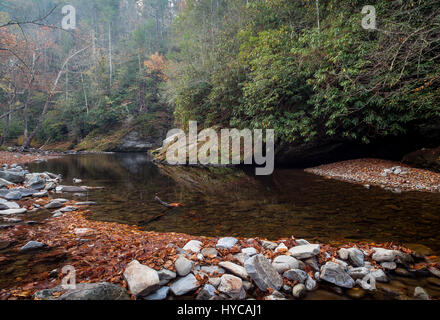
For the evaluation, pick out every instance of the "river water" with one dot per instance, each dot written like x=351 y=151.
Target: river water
x=230 y=202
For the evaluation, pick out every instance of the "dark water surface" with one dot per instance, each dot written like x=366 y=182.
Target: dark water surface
x=221 y=202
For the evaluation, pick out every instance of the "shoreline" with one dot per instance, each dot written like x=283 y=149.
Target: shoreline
x=388 y=175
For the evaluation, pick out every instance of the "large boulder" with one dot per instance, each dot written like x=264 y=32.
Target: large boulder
x=334 y=273
x=141 y=280
x=263 y=273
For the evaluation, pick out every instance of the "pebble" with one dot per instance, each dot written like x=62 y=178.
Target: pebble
x=299 y=291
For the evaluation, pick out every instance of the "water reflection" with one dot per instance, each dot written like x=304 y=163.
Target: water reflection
x=234 y=202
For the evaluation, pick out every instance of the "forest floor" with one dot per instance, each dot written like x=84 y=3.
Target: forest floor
x=390 y=175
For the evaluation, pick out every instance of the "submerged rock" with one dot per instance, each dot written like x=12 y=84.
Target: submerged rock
x=33 y=245
x=420 y=293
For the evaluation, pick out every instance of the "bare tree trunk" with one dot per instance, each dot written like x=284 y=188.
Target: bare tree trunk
x=317 y=16
x=28 y=98
x=110 y=52
x=27 y=142
x=85 y=93
x=11 y=100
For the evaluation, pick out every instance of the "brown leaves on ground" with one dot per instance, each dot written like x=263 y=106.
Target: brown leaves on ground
x=368 y=171
x=20 y=158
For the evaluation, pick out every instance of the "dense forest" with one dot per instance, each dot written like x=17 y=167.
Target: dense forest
x=306 y=68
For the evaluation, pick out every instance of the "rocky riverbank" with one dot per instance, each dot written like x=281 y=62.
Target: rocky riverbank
x=389 y=175
x=117 y=261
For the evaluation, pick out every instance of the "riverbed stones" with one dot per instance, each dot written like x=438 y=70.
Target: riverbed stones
x=86 y=203
x=68 y=209
x=241 y=257
x=379 y=275
x=389 y=265
x=358 y=273
x=81 y=232
x=209 y=252
x=296 y=275
x=141 y=279
x=421 y=294
x=10 y=204
x=310 y=284
x=207 y=292
x=299 y=291
x=283 y=263
x=384 y=255
x=356 y=257
x=184 y=285
x=232 y=286
x=160 y=294
x=53 y=205
x=210 y=270
x=226 y=243
x=166 y=276
x=70 y=189
x=4 y=183
x=12 y=211
x=13 y=176
x=183 y=266
x=263 y=273
x=334 y=273
x=34 y=181
x=13 y=195
x=32 y=245
x=281 y=248
x=193 y=246
x=251 y=251
x=305 y=251
x=235 y=269
x=269 y=245
x=40 y=194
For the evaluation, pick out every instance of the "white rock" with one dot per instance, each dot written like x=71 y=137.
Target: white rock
x=305 y=251
x=232 y=286
x=183 y=266
x=141 y=280
x=235 y=269
x=249 y=251
x=283 y=263
x=193 y=246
